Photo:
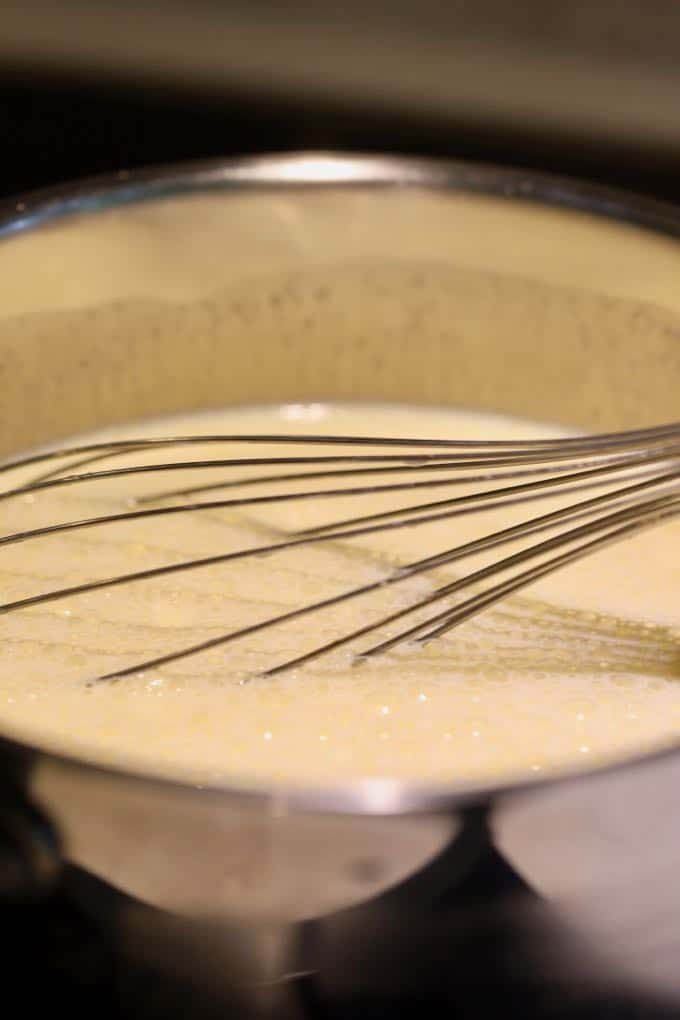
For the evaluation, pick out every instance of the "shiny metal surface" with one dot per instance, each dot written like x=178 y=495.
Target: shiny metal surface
x=526 y=473
x=281 y=854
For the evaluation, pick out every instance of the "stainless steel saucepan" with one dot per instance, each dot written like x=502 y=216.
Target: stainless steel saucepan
x=326 y=277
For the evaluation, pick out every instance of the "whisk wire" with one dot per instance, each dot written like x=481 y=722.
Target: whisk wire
x=641 y=514
x=639 y=470
x=647 y=516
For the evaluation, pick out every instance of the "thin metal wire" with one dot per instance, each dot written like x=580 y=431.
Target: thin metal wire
x=429 y=462
x=505 y=493
x=601 y=440
x=410 y=570
x=538 y=487
x=647 y=459
x=650 y=513
x=491 y=472
x=643 y=520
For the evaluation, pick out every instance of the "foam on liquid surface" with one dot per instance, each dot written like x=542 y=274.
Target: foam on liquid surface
x=583 y=666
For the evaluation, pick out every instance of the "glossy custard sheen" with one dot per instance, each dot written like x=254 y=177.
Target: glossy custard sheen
x=582 y=666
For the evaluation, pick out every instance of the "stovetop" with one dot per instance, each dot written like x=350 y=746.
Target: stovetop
x=482 y=955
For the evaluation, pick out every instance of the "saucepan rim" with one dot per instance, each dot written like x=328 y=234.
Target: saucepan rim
x=313 y=171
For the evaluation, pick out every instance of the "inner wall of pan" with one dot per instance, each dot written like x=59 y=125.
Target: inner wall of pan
x=432 y=297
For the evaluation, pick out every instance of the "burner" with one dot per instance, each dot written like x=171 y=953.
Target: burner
x=484 y=946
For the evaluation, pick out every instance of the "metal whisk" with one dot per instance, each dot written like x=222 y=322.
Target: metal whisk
x=638 y=473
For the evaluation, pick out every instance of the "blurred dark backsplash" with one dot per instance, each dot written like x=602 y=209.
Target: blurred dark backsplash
x=588 y=89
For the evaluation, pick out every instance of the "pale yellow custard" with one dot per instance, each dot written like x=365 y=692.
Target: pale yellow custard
x=581 y=667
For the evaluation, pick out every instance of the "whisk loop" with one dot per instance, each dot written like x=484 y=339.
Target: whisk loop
x=639 y=472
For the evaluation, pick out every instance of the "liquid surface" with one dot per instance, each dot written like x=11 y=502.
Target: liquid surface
x=581 y=667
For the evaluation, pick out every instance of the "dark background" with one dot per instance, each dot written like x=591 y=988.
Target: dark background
x=589 y=89
x=58 y=126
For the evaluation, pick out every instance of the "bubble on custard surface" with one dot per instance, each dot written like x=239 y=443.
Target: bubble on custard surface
x=243 y=678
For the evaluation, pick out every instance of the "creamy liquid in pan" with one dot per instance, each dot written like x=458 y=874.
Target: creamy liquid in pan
x=581 y=667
